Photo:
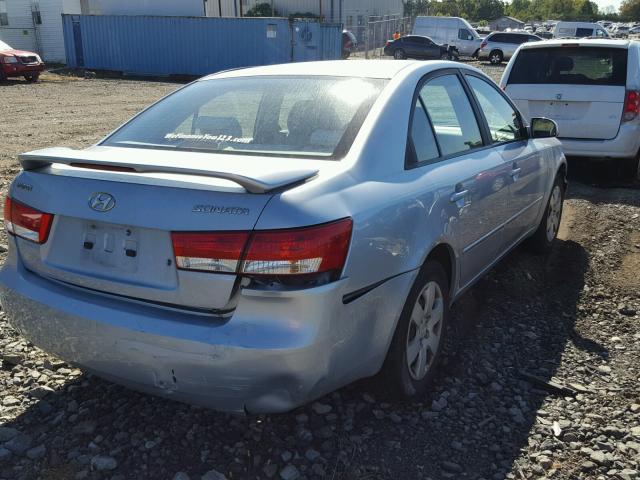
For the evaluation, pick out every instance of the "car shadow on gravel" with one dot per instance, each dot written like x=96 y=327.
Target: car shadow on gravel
x=511 y=331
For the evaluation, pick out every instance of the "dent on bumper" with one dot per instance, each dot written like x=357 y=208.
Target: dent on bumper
x=278 y=351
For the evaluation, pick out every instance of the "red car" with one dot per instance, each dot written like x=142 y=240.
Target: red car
x=18 y=63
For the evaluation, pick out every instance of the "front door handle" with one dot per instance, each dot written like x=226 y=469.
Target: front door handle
x=515 y=173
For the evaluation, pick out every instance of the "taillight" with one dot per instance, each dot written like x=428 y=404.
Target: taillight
x=209 y=252
x=320 y=249
x=26 y=222
x=483 y=44
x=388 y=43
x=631 y=105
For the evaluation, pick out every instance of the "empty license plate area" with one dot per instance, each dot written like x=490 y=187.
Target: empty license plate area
x=111 y=245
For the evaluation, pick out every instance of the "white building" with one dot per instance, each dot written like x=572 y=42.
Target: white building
x=36 y=25
x=351 y=13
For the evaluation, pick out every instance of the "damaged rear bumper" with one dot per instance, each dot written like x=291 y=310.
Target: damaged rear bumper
x=278 y=350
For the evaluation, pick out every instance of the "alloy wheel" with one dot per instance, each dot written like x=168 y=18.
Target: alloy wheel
x=425 y=331
x=555 y=210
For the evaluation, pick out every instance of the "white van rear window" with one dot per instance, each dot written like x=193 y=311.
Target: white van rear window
x=570 y=66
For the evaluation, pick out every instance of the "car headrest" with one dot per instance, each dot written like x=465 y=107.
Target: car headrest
x=563 y=64
x=219 y=126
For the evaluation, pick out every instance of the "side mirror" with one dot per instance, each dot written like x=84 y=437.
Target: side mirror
x=543 y=128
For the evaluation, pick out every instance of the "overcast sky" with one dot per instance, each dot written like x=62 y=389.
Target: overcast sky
x=602 y=4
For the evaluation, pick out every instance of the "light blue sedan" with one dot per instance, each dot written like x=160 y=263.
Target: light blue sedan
x=264 y=236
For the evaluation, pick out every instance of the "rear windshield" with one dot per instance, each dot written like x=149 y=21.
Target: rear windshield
x=570 y=65
x=314 y=117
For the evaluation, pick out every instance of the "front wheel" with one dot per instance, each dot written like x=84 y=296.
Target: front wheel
x=416 y=348
x=32 y=77
x=399 y=54
x=542 y=240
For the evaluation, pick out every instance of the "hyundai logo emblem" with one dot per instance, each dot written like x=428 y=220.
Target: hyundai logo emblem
x=102 y=202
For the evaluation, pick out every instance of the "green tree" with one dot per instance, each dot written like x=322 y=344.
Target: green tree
x=630 y=9
x=261 y=10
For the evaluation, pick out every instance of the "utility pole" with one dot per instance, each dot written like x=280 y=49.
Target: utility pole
x=320 y=16
x=273 y=13
x=220 y=8
x=241 y=14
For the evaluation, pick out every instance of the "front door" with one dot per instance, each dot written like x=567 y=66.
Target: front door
x=525 y=173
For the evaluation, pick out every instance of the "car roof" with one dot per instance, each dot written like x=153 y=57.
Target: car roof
x=385 y=69
x=581 y=42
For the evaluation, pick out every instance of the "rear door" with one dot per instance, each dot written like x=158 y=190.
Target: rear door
x=473 y=186
x=582 y=88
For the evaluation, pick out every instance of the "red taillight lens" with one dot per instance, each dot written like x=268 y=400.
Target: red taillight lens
x=388 y=43
x=209 y=252
x=631 y=105
x=26 y=222
x=483 y=44
x=301 y=251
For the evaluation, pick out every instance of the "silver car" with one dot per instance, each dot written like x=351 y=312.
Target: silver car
x=500 y=46
x=264 y=236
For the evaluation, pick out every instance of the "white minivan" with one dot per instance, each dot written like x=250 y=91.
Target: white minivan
x=579 y=30
x=454 y=31
x=589 y=87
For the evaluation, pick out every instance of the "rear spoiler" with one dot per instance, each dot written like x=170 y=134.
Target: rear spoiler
x=76 y=158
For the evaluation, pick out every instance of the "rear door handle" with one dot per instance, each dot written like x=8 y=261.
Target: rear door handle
x=457 y=196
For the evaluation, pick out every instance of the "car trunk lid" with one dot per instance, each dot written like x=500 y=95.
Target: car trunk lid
x=112 y=229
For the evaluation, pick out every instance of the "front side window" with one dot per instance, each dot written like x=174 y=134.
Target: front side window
x=584 y=32
x=503 y=120
x=464 y=34
x=315 y=117
x=570 y=66
x=451 y=114
x=4 y=19
x=601 y=33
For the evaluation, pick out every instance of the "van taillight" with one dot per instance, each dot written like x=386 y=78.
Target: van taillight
x=631 y=105
x=26 y=222
x=299 y=251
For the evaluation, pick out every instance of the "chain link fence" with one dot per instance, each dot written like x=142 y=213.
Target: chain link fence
x=372 y=32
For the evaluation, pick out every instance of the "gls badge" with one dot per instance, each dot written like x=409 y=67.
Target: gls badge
x=102 y=202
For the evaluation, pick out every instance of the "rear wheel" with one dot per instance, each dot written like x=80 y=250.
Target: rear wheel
x=495 y=57
x=542 y=240
x=416 y=348
x=399 y=54
x=3 y=77
x=33 y=77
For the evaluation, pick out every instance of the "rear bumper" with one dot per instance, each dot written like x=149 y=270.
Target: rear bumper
x=18 y=70
x=278 y=351
x=625 y=145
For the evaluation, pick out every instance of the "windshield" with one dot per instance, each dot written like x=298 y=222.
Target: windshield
x=570 y=65
x=4 y=46
x=314 y=117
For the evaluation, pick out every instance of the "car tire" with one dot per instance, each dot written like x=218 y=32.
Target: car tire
x=418 y=341
x=32 y=78
x=399 y=54
x=346 y=54
x=3 y=77
x=543 y=238
x=496 y=57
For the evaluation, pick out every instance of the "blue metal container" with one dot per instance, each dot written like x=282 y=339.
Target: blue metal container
x=150 y=45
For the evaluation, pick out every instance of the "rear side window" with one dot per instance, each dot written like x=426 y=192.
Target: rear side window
x=570 y=66
x=424 y=143
x=584 y=32
x=496 y=38
x=451 y=114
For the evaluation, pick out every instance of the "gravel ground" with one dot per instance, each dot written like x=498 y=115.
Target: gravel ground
x=541 y=380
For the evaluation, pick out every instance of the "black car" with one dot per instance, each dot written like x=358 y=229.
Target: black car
x=415 y=46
